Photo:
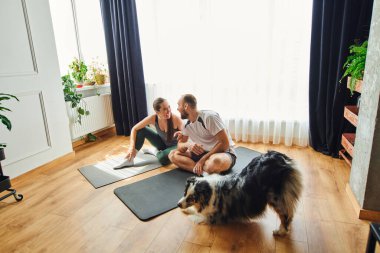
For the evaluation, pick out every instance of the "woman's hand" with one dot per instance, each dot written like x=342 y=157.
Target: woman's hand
x=131 y=153
x=178 y=135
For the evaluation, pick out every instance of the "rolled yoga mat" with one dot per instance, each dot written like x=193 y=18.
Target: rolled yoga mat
x=159 y=194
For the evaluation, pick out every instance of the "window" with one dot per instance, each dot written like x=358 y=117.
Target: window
x=78 y=31
x=246 y=59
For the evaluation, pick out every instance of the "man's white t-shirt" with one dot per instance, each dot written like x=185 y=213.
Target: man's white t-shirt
x=204 y=128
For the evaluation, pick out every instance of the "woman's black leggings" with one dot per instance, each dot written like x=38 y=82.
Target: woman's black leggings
x=153 y=137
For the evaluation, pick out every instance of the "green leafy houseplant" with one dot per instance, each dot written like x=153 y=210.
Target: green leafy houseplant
x=78 y=70
x=355 y=64
x=71 y=95
x=6 y=122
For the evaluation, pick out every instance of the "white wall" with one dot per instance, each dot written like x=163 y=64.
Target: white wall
x=365 y=170
x=29 y=69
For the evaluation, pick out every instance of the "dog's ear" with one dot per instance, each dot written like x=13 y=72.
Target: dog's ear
x=191 y=180
x=202 y=194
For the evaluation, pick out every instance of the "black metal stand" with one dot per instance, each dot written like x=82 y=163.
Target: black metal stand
x=373 y=237
x=17 y=196
x=5 y=182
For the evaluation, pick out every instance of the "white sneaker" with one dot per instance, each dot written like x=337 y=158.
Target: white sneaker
x=124 y=164
x=150 y=151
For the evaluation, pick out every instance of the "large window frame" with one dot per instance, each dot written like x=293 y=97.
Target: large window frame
x=72 y=11
x=75 y=19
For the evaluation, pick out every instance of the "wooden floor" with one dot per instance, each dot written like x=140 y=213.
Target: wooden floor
x=62 y=212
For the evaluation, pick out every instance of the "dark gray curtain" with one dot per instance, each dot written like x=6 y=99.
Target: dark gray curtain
x=125 y=63
x=335 y=26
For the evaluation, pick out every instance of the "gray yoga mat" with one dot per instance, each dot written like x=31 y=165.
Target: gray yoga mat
x=109 y=171
x=158 y=194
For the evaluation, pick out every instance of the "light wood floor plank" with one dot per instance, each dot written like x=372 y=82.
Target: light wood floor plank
x=143 y=235
x=284 y=245
x=188 y=247
x=323 y=236
x=201 y=234
x=353 y=235
x=172 y=234
x=247 y=237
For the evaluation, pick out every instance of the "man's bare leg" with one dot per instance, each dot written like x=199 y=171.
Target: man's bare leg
x=217 y=163
x=182 y=160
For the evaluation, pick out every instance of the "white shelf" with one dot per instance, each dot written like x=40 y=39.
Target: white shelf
x=94 y=90
x=95 y=86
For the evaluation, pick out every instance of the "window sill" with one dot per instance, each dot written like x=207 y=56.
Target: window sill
x=93 y=90
x=93 y=87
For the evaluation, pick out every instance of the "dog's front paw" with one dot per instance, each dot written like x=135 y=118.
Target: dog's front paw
x=280 y=232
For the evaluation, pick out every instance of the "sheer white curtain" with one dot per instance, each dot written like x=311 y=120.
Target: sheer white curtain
x=246 y=59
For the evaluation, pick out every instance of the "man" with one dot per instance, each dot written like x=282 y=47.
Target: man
x=212 y=148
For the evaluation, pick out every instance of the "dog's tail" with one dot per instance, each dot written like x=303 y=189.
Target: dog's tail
x=286 y=191
x=291 y=193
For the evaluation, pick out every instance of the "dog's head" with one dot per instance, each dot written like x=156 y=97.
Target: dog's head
x=197 y=193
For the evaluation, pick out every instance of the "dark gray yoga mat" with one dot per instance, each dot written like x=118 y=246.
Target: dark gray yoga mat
x=104 y=173
x=156 y=195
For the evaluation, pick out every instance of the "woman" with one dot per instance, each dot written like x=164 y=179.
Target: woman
x=166 y=125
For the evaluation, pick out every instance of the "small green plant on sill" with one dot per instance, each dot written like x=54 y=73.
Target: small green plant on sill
x=98 y=72
x=75 y=99
x=78 y=70
x=4 y=120
x=355 y=64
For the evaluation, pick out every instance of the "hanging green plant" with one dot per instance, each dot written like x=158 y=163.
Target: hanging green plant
x=75 y=99
x=4 y=119
x=355 y=64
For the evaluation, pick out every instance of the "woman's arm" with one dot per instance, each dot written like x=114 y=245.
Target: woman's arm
x=178 y=124
x=182 y=139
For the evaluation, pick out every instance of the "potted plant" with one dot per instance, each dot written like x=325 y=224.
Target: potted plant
x=78 y=71
x=98 y=72
x=5 y=183
x=75 y=99
x=6 y=122
x=355 y=64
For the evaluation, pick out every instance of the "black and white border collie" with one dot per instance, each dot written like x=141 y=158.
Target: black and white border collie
x=269 y=179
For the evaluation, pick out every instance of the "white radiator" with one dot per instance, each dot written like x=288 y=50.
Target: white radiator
x=100 y=117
